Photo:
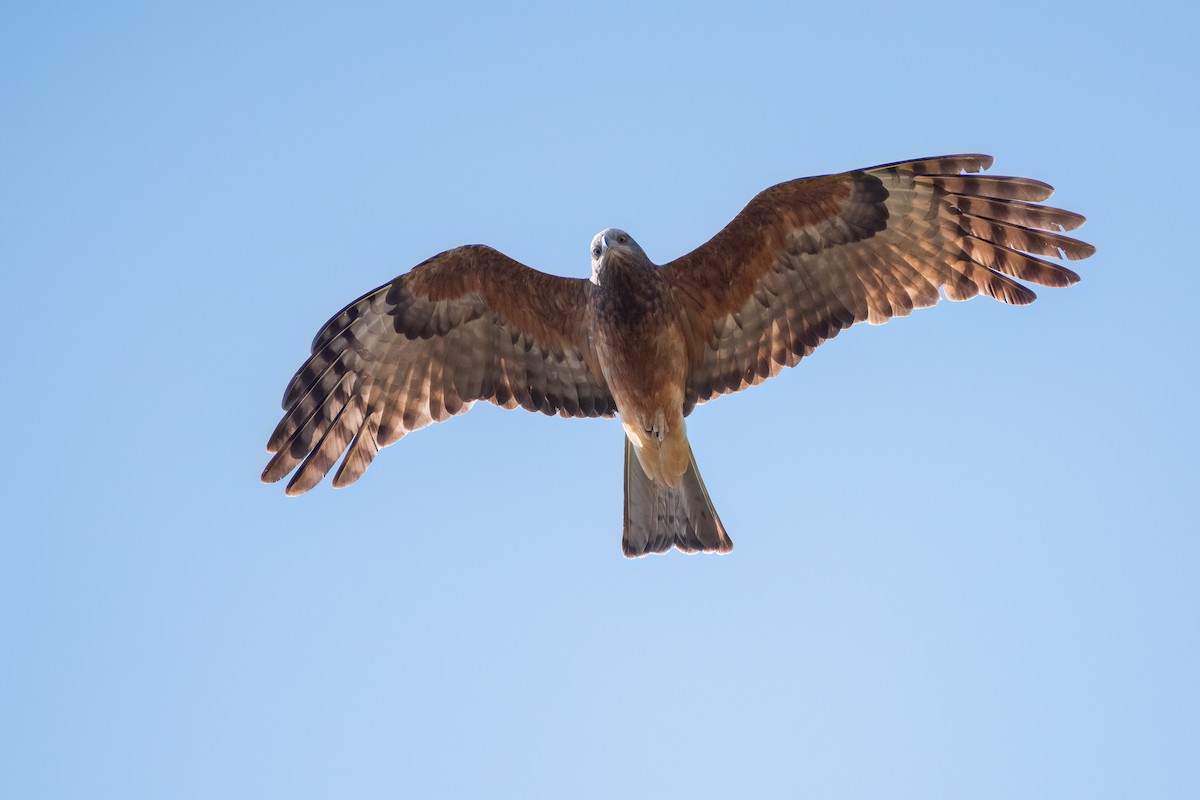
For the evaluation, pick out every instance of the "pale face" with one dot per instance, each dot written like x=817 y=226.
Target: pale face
x=613 y=239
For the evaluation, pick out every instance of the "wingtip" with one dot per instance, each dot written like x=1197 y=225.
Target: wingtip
x=1080 y=251
x=270 y=474
x=1071 y=221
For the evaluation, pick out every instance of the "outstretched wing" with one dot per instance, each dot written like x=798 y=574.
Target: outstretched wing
x=811 y=257
x=469 y=324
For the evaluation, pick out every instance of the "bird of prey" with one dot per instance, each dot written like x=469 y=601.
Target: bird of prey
x=803 y=261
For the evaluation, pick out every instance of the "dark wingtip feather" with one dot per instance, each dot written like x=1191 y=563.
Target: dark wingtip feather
x=1081 y=251
x=995 y=187
x=274 y=470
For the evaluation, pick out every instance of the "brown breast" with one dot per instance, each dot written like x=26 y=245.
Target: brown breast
x=639 y=341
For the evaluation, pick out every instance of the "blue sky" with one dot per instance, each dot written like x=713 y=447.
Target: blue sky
x=966 y=541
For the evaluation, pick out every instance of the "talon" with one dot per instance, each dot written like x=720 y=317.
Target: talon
x=659 y=429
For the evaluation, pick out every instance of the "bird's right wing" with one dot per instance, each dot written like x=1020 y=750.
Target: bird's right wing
x=811 y=257
x=469 y=324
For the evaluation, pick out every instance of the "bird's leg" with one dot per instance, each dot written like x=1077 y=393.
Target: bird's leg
x=658 y=428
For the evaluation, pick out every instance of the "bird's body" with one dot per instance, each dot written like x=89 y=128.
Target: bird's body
x=641 y=348
x=641 y=351
x=804 y=260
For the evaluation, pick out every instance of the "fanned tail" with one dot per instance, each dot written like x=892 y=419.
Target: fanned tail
x=659 y=517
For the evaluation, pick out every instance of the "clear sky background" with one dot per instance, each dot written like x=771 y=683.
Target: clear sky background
x=967 y=548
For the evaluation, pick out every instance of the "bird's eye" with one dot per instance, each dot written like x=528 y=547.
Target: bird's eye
x=595 y=252
x=622 y=239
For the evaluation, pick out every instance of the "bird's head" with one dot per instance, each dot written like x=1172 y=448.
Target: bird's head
x=613 y=244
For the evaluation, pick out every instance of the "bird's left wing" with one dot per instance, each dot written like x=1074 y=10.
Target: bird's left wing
x=811 y=257
x=469 y=324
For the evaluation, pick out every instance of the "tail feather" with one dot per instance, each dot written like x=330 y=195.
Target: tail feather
x=659 y=517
